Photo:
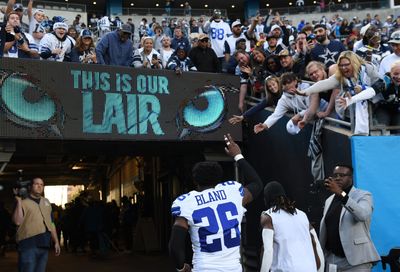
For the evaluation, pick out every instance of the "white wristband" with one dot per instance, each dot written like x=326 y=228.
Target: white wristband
x=238 y=157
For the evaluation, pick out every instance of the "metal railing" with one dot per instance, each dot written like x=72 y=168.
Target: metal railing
x=171 y=12
x=65 y=6
x=328 y=8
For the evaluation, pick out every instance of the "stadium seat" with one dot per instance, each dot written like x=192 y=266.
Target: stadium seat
x=63 y=8
x=3 y=3
x=78 y=10
x=40 y=6
x=393 y=260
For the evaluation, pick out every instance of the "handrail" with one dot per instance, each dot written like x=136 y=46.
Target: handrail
x=250 y=100
x=172 y=12
x=328 y=8
x=66 y=5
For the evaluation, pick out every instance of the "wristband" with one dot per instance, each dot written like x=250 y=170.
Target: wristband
x=238 y=157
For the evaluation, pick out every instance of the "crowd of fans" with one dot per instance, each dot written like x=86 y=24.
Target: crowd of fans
x=354 y=61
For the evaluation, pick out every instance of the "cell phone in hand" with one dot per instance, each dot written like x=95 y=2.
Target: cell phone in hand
x=154 y=56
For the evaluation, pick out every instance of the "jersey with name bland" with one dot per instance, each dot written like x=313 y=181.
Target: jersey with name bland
x=214 y=216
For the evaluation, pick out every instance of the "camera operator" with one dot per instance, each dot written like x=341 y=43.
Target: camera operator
x=33 y=216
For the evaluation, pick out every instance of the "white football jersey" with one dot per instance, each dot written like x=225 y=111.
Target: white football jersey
x=214 y=216
x=218 y=33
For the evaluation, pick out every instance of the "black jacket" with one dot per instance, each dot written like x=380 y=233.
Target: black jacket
x=205 y=60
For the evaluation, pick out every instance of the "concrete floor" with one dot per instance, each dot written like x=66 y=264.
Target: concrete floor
x=69 y=262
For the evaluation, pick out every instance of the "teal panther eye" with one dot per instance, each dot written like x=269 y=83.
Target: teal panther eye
x=34 y=106
x=204 y=113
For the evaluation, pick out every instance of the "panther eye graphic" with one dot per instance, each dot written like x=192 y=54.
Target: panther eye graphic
x=26 y=104
x=203 y=113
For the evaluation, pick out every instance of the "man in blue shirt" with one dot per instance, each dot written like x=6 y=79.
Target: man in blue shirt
x=116 y=48
x=325 y=51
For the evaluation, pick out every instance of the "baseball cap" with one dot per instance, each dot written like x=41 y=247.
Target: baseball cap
x=275 y=27
x=86 y=33
x=38 y=10
x=126 y=29
x=240 y=40
x=284 y=53
x=203 y=36
x=364 y=29
x=395 y=37
x=18 y=6
x=292 y=128
x=181 y=47
x=236 y=23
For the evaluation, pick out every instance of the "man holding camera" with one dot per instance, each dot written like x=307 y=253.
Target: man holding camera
x=33 y=216
x=345 y=226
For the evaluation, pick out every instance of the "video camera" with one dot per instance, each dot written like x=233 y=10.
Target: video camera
x=22 y=187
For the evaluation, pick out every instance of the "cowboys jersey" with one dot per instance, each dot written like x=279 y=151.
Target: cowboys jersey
x=214 y=216
x=218 y=33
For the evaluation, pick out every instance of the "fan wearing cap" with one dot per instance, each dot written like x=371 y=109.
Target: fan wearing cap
x=218 y=31
x=371 y=49
x=290 y=242
x=116 y=47
x=289 y=65
x=387 y=61
x=57 y=46
x=12 y=6
x=271 y=47
x=325 y=50
x=180 y=62
x=35 y=18
x=84 y=50
x=147 y=56
x=17 y=43
x=237 y=33
x=204 y=57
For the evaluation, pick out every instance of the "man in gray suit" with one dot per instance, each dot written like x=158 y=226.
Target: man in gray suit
x=345 y=226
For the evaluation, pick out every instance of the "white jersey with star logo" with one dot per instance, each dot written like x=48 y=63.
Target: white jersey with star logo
x=214 y=216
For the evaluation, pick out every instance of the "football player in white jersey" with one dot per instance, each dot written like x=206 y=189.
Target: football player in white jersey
x=290 y=242
x=212 y=215
x=218 y=31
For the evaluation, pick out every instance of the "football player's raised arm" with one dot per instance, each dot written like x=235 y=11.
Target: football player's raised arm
x=252 y=182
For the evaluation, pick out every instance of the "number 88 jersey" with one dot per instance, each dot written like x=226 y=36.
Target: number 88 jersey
x=214 y=216
x=218 y=33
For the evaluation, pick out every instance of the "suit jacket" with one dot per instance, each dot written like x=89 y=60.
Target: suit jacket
x=354 y=227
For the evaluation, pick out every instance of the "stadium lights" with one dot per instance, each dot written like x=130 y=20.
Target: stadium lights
x=206 y=6
x=315 y=2
x=182 y=5
x=132 y=4
x=233 y=6
x=290 y=3
x=157 y=4
x=94 y=3
x=267 y=5
x=66 y=0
